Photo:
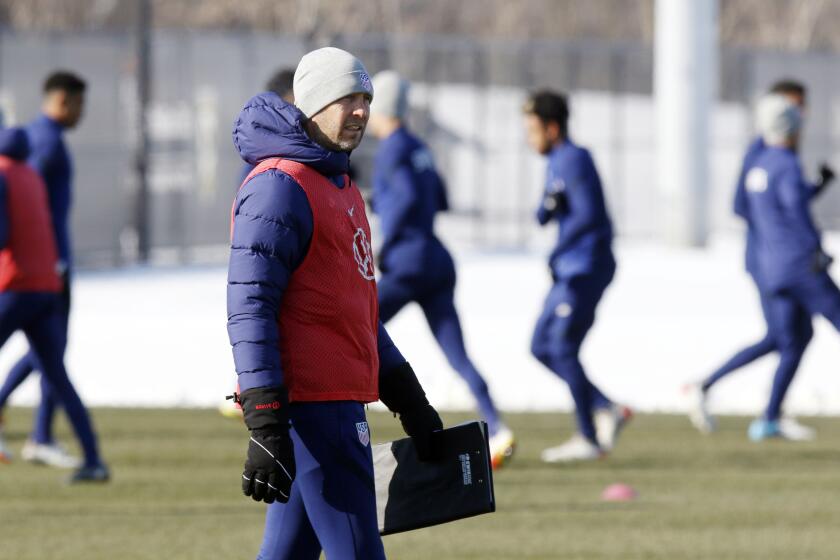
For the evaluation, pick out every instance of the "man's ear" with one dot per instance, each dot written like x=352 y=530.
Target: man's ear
x=552 y=131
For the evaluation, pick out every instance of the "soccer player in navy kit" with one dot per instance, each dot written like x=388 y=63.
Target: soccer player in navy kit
x=64 y=97
x=303 y=319
x=582 y=266
x=790 y=261
x=30 y=289
x=415 y=266
x=796 y=93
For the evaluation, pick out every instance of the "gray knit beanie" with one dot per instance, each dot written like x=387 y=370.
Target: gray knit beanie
x=391 y=95
x=327 y=74
x=777 y=118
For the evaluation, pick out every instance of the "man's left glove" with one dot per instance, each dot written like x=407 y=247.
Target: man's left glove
x=821 y=261
x=270 y=466
x=401 y=392
x=826 y=176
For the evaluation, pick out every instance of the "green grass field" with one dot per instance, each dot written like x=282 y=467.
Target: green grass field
x=175 y=495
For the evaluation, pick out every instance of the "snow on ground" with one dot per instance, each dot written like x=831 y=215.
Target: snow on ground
x=156 y=336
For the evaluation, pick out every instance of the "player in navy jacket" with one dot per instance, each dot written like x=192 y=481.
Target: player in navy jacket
x=30 y=288
x=582 y=266
x=292 y=260
x=64 y=97
x=789 y=257
x=408 y=193
x=698 y=412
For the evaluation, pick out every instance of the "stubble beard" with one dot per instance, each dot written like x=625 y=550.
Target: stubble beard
x=338 y=145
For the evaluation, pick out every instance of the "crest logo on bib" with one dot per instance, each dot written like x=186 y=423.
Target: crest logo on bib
x=363 y=254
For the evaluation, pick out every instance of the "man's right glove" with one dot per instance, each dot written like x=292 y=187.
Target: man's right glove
x=400 y=391
x=270 y=466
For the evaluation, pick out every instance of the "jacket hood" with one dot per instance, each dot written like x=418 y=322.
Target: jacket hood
x=268 y=127
x=14 y=143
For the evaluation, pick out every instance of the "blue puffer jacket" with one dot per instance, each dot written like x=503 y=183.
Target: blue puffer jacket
x=407 y=193
x=272 y=230
x=584 y=237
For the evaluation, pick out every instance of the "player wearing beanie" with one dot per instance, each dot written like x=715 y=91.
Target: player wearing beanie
x=790 y=262
x=303 y=318
x=795 y=93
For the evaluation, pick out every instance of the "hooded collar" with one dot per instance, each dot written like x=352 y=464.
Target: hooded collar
x=269 y=127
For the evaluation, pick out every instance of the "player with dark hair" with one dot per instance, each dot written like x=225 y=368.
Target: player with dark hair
x=582 y=266
x=30 y=289
x=407 y=194
x=699 y=415
x=303 y=319
x=62 y=109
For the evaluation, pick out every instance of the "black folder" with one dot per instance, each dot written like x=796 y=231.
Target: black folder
x=459 y=483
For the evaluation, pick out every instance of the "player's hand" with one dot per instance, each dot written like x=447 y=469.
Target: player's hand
x=822 y=261
x=555 y=203
x=419 y=424
x=401 y=392
x=826 y=175
x=270 y=466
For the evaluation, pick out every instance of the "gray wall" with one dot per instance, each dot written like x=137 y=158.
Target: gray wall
x=465 y=104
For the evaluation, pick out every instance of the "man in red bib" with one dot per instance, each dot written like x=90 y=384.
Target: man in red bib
x=303 y=318
x=30 y=289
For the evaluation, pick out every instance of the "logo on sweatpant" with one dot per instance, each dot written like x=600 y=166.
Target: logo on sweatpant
x=364 y=433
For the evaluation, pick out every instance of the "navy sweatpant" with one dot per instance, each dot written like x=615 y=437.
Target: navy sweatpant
x=40 y=317
x=45 y=412
x=819 y=295
x=438 y=305
x=750 y=353
x=568 y=314
x=791 y=331
x=332 y=506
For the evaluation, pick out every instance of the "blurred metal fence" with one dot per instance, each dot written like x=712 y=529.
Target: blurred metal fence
x=465 y=103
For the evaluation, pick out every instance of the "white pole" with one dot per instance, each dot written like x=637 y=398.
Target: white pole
x=685 y=85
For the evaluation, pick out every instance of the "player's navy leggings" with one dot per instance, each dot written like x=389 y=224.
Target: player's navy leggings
x=750 y=353
x=438 y=305
x=568 y=314
x=332 y=506
x=40 y=317
x=45 y=412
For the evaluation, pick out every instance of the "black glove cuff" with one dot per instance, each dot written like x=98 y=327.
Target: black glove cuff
x=266 y=408
x=400 y=390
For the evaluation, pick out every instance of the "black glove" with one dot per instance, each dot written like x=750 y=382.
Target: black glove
x=270 y=466
x=822 y=261
x=556 y=203
x=826 y=177
x=400 y=391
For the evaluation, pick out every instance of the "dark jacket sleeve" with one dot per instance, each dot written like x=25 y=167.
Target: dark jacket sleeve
x=402 y=200
x=389 y=354
x=271 y=233
x=584 y=200
x=4 y=215
x=795 y=197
